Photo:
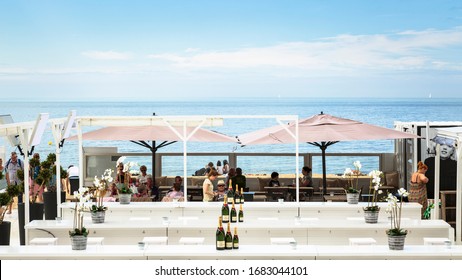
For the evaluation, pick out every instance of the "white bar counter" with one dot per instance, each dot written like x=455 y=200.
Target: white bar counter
x=252 y=210
x=306 y=231
x=245 y=252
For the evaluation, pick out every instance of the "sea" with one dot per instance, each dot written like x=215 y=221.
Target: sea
x=378 y=111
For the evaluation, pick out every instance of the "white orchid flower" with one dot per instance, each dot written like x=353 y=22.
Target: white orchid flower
x=121 y=159
x=347 y=172
x=357 y=164
x=376 y=187
x=402 y=192
x=380 y=192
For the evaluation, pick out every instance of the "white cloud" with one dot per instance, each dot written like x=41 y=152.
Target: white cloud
x=107 y=55
x=409 y=50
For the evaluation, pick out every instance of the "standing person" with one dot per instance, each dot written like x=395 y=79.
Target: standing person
x=35 y=190
x=207 y=186
x=72 y=173
x=11 y=168
x=219 y=168
x=225 y=166
x=418 y=189
x=144 y=182
x=239 y=180
x=2 y=176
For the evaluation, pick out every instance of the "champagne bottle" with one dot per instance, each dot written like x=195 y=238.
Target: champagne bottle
x=233 y=214
x=237 y=197
x=235 y=239
x=220 y=236
x=225 y=210
x=241 y=215
x=228 y=238
x=242 y=196
x=230 y=193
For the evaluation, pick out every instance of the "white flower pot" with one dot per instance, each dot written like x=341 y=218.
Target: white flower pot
x=98 y=217
x=371 y=217
x=79 y=242
x=396 y=242
x=125 y=198
x=352 y=198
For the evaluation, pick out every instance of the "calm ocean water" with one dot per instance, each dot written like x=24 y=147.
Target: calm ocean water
x=381 y=112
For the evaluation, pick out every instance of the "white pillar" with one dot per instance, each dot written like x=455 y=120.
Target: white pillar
x=437 y=180
x=459 y=194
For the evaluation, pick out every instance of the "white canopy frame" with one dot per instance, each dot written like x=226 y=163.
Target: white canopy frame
x=28 y=133
x=456 y=134
x=183 y=121
x=61 y=130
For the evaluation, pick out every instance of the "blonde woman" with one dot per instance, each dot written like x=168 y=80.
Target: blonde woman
x=418 y=188
x=207 y=186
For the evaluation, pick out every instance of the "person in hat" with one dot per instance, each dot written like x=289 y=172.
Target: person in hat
x=221 y=192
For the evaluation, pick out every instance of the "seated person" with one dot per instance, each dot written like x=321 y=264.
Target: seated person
x=144 y=182
x=306 y=181
x=274 y=182
x=220 y=191
x=179 y=181
x=239 y=180
x=175 y=194
x=113 y=191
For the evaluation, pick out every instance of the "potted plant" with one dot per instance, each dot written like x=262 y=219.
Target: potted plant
x=123 y=178
x=79 y=233
x=371 y=211
x=6 y=199
x=396 y=235
x=125 y=195
x=99 y=189
x=47 y=180
x=353 y=192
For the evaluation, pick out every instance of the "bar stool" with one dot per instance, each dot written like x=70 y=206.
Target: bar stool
x=362 y=241
x=436 y=241
x=95 y=240
x=155 y=240
x=191 y=240
x=44 y=241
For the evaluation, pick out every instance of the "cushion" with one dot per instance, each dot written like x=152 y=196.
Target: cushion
x=161 y=181
x=263 y=182
x=392 y=179
x=197 y=181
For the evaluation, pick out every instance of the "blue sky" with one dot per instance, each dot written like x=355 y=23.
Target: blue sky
x=200 y=50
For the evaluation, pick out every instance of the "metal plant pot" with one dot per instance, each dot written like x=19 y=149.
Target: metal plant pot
x=371 y=216
x=125 y=198
x=79 y=242
x=396 y=242
x=98 y=217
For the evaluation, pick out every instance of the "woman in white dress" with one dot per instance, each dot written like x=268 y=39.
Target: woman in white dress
x=207 y=187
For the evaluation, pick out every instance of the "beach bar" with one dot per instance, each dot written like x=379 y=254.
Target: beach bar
x=300 y=229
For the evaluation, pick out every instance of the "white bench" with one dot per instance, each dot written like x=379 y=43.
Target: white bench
x=158 y=240
x=95 y=240
x=362 y=241
x=44 y=241
x=191 y=240
x=436 y=241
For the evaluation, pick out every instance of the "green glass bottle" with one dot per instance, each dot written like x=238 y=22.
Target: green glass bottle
x=228 y=238
x=237 y=197
x=235 y=239
x=220 y=236
x=233 y=214
x=242 y=196
x=225 y=211
x=241 y=215
x=230 y=193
